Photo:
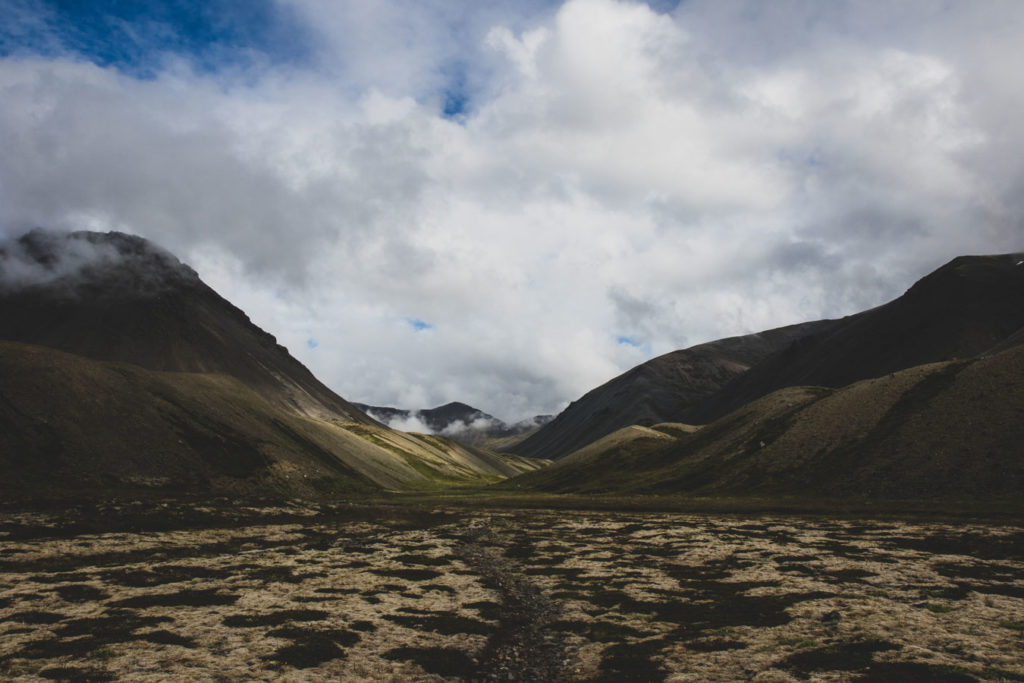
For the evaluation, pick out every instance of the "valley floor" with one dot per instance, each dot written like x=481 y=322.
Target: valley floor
x=226 y=592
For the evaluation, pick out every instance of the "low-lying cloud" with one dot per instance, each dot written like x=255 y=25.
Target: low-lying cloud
x=613 y=172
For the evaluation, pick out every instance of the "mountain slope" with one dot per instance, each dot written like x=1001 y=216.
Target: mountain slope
x=944 y=429
x=69 y=423
x=118 y=297
x=72 y=424
x=137 y=374
x=964 y=308
x=659 y=390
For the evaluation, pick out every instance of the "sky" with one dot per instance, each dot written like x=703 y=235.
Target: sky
x=508 y=204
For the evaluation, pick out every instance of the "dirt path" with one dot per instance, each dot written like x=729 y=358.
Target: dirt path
x=524 y=648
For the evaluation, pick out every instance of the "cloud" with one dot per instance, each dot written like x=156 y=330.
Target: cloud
x=535 y=180
x=78 y=264
x=406 y=423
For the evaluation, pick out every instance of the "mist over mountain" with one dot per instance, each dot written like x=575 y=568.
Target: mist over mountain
x=117 y=297
x=456 y=420
x=122 y=373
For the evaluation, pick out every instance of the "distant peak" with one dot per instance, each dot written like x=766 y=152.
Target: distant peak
x=456 y=405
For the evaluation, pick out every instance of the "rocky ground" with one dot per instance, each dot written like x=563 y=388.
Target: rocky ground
x=227 y=592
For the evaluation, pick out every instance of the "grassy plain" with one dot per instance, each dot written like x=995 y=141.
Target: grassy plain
x=424 y=590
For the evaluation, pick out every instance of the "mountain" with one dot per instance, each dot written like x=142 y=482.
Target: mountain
x=449 y=417
x=951 y=430
x=122 y=371
x=460 y=422
x=970 y=305
x=69 y=423
x=964 y=308
x=72 y=424
x=659 y=390
x=118 y=297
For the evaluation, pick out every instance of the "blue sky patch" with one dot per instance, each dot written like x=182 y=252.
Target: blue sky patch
x=312 y=343
x=455 y=98
x=455 y=103
x=629 y=341
x=419 y=325
x=137 y=36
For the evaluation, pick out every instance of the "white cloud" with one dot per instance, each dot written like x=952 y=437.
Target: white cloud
x=617 y=172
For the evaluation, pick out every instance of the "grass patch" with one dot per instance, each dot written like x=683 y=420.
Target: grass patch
x=939 y=607
x=311 y=647
x=274 y=618
x=598 y=631
x=364 y=626
x=715 y=645
x=188 y=597
x=74 y=673
x=424 y=560
x=446 y=624
x=165 y=637
x=80 y=592
x=439 y=661
x=407 y=574
x=34 y=617
x=842 y=657
x=997 y=674
x=438 y=588
x=632 y=662
x=886 y=672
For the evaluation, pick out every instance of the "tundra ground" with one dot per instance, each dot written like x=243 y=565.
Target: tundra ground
x=229 y=592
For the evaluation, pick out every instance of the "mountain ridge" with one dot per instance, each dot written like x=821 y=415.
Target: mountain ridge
x=118 y=297
x=952 y=428
x=126 y=371
x=965 y=307
x=457 y=420
x=658 y=390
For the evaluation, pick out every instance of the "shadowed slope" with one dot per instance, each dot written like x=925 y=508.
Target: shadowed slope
x=118 y=297
x=659 y=390
x=942 y=429
x=964 y=308
x=198 y=399
x=73 y=425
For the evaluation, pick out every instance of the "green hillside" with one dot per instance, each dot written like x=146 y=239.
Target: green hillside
x=944 y=429
x=75 y=426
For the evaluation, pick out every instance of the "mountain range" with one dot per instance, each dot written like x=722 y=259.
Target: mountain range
x=122 y=373
x=458 y=421
x=964 y=308
x=922 y=397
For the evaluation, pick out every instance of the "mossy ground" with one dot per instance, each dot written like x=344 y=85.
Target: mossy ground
x=398 y=593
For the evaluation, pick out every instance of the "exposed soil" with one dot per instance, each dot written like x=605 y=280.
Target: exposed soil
x=391 y=594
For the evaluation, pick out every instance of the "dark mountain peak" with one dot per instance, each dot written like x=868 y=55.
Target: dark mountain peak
x=966 y=276
x=966 y=307
x=443 y=417
x=659 y=390
x=80 y=264
x=117 y=297
x=455 y=406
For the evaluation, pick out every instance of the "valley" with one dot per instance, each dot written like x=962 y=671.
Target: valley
x=180 y=498
x=228 y=590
